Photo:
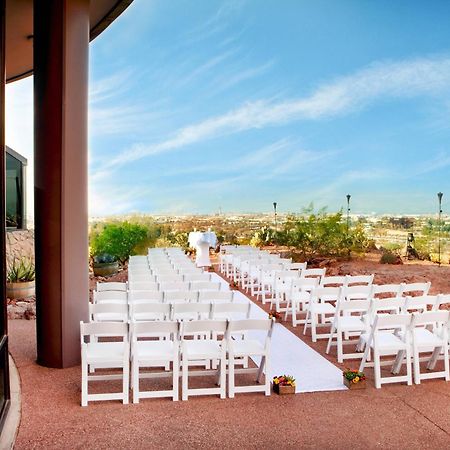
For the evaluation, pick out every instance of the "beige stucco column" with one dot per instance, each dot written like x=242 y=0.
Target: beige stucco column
x=61 y=40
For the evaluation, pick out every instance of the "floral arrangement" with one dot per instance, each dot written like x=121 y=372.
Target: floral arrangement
x=274 y=315
x=284 y=380
x=354 y=376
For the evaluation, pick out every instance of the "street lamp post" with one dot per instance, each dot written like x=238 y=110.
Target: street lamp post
x=348 y=222
x=275 y=214
x=440 y=194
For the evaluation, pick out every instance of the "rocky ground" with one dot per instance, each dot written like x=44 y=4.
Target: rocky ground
x=407 y=272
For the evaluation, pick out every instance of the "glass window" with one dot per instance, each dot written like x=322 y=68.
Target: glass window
x=14 y=192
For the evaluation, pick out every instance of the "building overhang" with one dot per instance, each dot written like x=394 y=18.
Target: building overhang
x=19 y=31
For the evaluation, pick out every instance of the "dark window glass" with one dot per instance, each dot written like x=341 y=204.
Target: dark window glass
x=14 y=192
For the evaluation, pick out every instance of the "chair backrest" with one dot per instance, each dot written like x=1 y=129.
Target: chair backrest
x=418 y=288
x=359 y=306
x=238 y=327
x=359 y=292
x=150 y=311
x=183 y=296
x=333 y=281
x=305 y=284
x=203 y=326
x=110 y=297
x=298 y=266
x=391 y=321
x=143 y=286
x=326 y=294
x=175 y=278
x=230 y=310
x=174 y=286
x=437 y=318
x=145 y=297
x=420 y=303
x=111 y=286
x=313 y=273
x=140 y=277
x=155 y=329
x=191 y=311
x=385 y=290
x=197 y=277
x=205 y=285
x=104 y=329
x=359 y=279
x=442 y=299
x=392 y=305
x=108 y=312
x=216 y=296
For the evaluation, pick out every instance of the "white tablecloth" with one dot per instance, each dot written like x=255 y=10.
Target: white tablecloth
x=202 y=241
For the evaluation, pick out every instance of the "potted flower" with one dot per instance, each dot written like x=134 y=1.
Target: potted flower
x=20 y=278
x=283 y=384
x=234 y=286
x=274 y=315
x=354 y=379
x=105 y=265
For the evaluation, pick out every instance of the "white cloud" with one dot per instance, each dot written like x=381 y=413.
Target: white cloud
x=405 y=79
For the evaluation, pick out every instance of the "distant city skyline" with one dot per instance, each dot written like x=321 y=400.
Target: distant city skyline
x=196 y=106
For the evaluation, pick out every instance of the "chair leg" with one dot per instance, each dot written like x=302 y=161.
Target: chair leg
x=135 y=380
x=446 y=362
x=408 y=365
x=377 y=369
x=84 y=384
x=223 y=377
x=230 y=375
x=176 y=376
x=261 y=368
x=126 y=382
x=314 y=318
x=267 y=377
x=416 y=364
x=330 y=339
x=306 y=322
x=340 y=347
x=184 y=378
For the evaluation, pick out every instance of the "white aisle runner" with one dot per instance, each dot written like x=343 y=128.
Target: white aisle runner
x=291 y=356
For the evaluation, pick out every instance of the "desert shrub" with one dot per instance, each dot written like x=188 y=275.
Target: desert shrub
x=21 y=270
x=388 y=257
x=119 y=240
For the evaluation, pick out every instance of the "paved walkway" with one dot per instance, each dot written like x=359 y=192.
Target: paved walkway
x=396 y=416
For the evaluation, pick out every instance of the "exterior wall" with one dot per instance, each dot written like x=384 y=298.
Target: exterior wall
x=19 y=243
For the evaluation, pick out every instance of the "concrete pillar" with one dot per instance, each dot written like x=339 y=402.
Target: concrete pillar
x=61 y=40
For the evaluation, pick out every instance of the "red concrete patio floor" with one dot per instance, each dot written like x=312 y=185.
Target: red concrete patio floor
x=396 y=416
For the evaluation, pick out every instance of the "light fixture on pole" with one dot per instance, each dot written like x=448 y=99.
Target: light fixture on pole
x=348 y=222
x=275 y=214
x=440 y=194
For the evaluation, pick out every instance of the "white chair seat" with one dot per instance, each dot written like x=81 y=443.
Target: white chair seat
x=105 y=351
x=425 y=337
x=322 y=308
x=154 y=349
x=246 y=347
x=386 y=341
x=351 y=323
x=109 y=317
x=202 y=348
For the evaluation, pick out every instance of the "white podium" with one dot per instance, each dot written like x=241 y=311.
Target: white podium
x=202 y=241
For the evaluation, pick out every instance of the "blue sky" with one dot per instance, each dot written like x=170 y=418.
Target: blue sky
x=196 y=105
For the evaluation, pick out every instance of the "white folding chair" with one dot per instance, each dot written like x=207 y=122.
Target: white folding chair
x=147 y=352
x=430 y=334
x=110 y=297
x=169 y=279
x=299 y=298
x=111 y=286
x=108 y=312
x=389 y=335
x=205 y=285
x=140 y=277
x=190 y=311
x=319 y=273
x=334 y=281
x=210 y=349
x=143 y=286
x=145 y=297
x=140 y=312
x=216 y=296
x=174 y=286
x=197 y=277
x=183 y=296
x=352 y=280
x=105 y=354
x=320 y=305
x=350 y=317
x=230 y=311
x=385 y=290
x=298 y=266
x=249 y=346
x=418 y=288
x=422 y=303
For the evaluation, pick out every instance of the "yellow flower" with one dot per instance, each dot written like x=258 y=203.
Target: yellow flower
x=276 y=381
x=355 y=380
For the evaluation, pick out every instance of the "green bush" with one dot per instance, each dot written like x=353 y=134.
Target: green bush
x=118 y=240
x=389 y=258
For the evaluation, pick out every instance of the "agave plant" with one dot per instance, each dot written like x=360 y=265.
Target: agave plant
x=21 y=270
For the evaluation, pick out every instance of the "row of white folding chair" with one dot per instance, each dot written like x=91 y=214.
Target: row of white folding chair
x=149 y=296
x=121 y=312
x=224 y=344
x=406 y=336
x=322 y=298
x=162 y=278
x=245 y=268
x=345 y=322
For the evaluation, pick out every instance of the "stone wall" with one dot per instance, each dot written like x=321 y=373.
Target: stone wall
x=19 y=243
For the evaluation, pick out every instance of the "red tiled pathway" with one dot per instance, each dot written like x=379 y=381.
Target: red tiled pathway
x=396 y=416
